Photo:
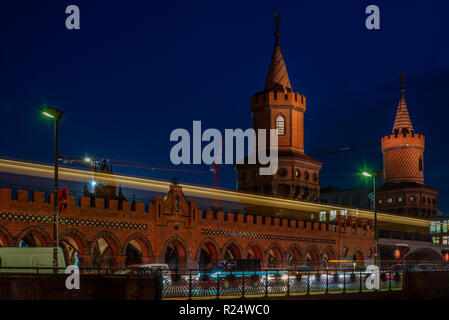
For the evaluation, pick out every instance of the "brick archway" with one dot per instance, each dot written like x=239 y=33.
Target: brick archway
x=274 y=256
x=328 y=255
x=137 y=249
x=293 y=256
x=254 y=251
x=74 y=244
x=5 y=237
x=105 y=249
x=34 y=236
x=207 y=253
x=312 y=257
x=231 y=250
x=358 y=257
x=175 y=253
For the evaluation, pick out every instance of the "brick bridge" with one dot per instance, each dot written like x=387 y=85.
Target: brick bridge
x=108 y=233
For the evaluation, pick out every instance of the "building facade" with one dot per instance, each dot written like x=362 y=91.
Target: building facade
x=359 y=198
x=171 y=229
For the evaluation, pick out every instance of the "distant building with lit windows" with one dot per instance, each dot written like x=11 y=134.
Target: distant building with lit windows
x=439 y=230
x=359 y=198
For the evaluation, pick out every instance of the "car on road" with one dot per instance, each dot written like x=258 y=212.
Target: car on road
x=143 y=269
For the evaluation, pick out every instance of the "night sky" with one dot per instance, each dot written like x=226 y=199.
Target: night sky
x=137 y=70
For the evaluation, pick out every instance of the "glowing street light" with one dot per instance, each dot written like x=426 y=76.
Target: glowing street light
x=56 y=115
x=367 y=174
x=52 y=113
x=373 y=176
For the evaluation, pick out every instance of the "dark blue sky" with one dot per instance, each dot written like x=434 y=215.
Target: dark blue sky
x=137 y=70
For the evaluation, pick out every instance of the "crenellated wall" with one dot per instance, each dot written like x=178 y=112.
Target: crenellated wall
x=277 y=98
x=172 y=223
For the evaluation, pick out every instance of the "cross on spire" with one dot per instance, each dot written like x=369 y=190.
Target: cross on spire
x=277 y=20
x=277 y=78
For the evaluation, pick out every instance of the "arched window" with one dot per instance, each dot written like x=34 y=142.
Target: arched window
x=280 y=125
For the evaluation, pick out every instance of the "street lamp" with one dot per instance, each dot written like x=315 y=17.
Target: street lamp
x=373 y=176
x=56 y=115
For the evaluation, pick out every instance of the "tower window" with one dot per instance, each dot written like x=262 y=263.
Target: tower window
x=280 y=125
x=306 y=175
x=282 y=172
x=420 y=163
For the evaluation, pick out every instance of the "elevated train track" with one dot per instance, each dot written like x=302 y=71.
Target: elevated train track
x=266 y=204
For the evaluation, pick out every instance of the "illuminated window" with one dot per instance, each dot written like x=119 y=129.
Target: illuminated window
x=436 y=239
x=445 y=239
x=280 y=125
x=333 y=215
x=323 y=216
x=432 y=226
x=344 y=213
x=444 y=229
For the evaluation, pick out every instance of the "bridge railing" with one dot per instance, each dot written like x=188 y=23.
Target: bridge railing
x=62 y=270
x=200 y=284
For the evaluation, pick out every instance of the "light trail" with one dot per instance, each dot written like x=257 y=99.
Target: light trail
x=77 y=175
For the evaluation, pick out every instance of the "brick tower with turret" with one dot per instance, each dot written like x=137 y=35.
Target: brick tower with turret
x=279 y=107
x=404 y=191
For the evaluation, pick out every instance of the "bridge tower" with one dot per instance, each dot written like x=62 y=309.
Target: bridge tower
x=404 y=191
x=279 y=107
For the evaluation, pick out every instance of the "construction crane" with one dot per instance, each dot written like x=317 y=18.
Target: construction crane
x=95 y=162
x=345 y=149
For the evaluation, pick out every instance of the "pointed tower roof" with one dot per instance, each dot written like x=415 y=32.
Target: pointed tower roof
x=277 y=78
x=402 y=120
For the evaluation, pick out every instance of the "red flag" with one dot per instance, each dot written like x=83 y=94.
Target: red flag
x=63 y=195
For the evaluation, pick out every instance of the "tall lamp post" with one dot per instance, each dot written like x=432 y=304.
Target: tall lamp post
x=56 y=115
x=373 y=176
